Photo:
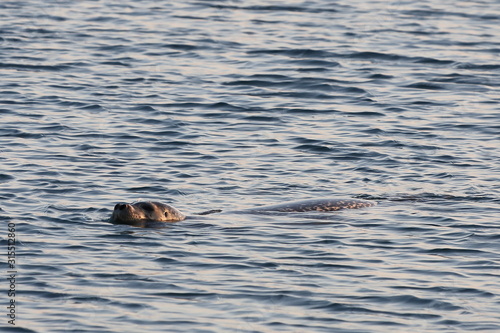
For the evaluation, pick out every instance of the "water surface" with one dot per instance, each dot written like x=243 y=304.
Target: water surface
x=233 y=104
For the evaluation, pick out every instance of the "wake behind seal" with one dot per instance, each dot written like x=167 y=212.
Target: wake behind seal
x=154 y=214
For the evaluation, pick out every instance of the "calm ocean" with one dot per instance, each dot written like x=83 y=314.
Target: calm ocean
x=234 y=104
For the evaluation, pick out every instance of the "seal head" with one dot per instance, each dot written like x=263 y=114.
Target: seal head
x=144 y=212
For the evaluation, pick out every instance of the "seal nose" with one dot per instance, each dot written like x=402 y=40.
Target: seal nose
x=120 y=206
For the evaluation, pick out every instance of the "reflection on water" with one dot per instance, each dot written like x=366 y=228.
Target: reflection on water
x=230 y=105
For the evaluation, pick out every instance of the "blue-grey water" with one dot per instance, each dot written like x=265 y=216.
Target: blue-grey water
x=233 y=104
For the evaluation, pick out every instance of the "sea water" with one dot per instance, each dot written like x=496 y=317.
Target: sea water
x=234 y=104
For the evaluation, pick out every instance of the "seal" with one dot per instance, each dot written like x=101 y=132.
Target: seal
x=149 y=214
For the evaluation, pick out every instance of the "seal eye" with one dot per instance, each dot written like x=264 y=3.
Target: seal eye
x=147 y=207
x=166 y=215
x=119 y=206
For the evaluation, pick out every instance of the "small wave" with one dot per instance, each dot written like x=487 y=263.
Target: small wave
x=482 y=67
x=142 y=108
x=37 y=68
x=92 y=107
x=314 y=148
x=453 y=251
x=4 y=178
x=275 y=8
x=425 y=85
x=411 y=301
x=181 y=47
x=19 y=134
x=296 y=53
x=262 y=118
x=427 y=196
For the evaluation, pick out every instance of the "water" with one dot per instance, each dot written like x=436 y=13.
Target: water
x=232 y=104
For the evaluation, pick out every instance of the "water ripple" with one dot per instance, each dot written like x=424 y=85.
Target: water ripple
x=225 y=106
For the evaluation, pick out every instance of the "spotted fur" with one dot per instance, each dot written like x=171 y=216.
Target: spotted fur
x=324 y=205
